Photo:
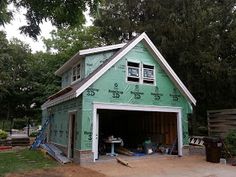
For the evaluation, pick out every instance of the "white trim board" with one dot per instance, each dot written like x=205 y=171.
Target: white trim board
x=157 y=55
x=130 y=107
x=101 y=49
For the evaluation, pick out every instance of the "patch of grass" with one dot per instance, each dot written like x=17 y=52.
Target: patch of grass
x=23 y=160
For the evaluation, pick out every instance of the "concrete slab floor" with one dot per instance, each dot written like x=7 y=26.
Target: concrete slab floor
x=167 y=166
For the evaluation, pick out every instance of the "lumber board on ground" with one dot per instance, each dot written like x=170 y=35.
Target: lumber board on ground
x=123 y=162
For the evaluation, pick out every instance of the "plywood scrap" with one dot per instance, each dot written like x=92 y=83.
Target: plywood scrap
x=123 y=162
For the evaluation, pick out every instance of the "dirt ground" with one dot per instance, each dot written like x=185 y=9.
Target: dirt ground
x=69 y=170
x=164 y=166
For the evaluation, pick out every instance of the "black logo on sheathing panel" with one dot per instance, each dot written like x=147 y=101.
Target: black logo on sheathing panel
x=115 y=92
x=137 y=94
x=157 y=95
x=92 y=91
x=175 y=96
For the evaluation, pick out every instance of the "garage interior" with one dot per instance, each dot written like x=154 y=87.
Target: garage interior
x=137 y=127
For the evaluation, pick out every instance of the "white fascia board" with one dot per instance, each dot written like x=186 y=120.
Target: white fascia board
x=101 y=49
x=170 y=71
x=108 y=66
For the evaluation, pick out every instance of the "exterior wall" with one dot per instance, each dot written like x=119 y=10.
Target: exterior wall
x=92 y=62
x=59 y=124
x=113 y=88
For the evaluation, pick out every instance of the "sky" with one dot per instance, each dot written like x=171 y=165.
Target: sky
x=12 y=29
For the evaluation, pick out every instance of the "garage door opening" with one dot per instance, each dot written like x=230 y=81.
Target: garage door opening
x=138 y=131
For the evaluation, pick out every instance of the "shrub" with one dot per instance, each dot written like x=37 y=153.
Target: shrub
x=3 y=134
x=230 y=142
x=19 y=123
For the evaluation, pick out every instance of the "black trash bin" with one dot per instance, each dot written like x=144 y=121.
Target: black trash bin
x=213 y=149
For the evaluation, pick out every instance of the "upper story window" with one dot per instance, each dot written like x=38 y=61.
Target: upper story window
x=148 y=74
x=76 y=73
x=133 y=70
x=134 y=73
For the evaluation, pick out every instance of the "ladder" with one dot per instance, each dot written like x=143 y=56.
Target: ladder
x=40 y=137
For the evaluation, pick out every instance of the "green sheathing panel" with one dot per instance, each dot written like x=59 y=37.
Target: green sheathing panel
x=93 y=61
x=59 y=124
x=113 y=88
x=66 y=76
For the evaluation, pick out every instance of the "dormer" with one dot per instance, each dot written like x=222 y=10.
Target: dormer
x=85 y=62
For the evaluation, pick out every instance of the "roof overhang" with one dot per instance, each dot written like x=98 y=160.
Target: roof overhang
x=79 y=55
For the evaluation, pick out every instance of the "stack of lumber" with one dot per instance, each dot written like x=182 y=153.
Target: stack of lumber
x=20 y=140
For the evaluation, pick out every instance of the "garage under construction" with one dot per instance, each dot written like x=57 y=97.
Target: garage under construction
x=118 y=99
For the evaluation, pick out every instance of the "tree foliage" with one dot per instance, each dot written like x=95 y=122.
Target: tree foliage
x=67 y=42
x=14 y=80
x=198 y=39
x=60 y=12
x=5 y=14
x=26 y=80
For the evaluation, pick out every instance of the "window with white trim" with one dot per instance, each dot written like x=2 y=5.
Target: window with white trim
x=133 y=71
x=148 y=74
x=140 y=73
x=76 y=73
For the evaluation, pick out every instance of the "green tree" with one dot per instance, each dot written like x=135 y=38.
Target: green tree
x=197 y=38
x=14 y=100
x=5 y=14
x=67 y=42
x=61 y=13
x=4 y=59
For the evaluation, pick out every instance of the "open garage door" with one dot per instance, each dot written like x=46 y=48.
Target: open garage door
x=134 y=127
x=135 y=124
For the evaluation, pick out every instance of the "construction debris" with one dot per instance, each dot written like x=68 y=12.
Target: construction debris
x=196 y=141
x=123 y=162
x=56 y=153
